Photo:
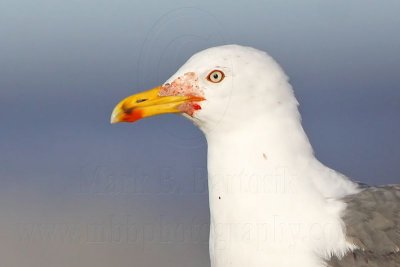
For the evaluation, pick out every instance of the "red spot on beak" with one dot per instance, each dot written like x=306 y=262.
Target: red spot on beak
x=133 y=116
x=196 y=106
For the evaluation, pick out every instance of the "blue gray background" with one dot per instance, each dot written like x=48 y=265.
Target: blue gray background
x=76 y=191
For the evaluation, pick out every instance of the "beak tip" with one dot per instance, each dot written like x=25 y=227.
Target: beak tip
x=114 y=118
x=114 y=121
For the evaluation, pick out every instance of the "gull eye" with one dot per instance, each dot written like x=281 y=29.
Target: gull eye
x=215 y=76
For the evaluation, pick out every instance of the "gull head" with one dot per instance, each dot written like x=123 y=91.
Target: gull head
x=216 y=88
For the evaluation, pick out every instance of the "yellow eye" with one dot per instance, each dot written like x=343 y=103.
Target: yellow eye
x=216 y=76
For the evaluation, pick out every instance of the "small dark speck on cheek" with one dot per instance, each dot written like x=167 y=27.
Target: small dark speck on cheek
x=219 y=197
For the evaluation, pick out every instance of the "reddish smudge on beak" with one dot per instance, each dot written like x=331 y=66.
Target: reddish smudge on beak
x=133 y=115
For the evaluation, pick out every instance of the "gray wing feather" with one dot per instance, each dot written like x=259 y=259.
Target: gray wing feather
x=372 y=221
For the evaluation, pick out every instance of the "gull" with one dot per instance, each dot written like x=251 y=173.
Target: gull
x=272 y=202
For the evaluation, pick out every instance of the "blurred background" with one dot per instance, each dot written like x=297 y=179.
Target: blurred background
x=76 y=191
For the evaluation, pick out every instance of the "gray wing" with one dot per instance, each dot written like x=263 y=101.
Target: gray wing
x=372 y=220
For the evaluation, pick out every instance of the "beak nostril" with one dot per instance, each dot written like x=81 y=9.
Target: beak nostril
x=141 y=100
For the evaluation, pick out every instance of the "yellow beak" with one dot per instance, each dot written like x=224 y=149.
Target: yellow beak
x=149 y=103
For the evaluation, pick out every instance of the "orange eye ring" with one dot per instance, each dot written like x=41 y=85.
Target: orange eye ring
x=215 y=76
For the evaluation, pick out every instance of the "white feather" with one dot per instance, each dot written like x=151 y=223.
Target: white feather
x=272 y=202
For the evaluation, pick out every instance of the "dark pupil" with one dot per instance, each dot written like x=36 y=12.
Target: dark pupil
x=215 y=75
